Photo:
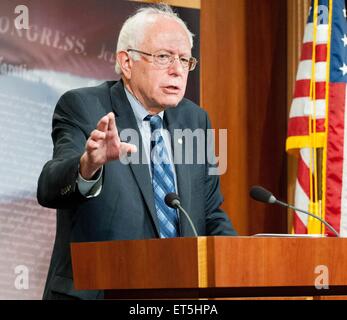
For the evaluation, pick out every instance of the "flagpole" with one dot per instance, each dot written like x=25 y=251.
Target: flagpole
x=297 y=11
x=327 y=90
x=313 y=226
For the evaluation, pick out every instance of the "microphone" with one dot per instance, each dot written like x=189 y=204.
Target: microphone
x=260 y=194
x=172 y=200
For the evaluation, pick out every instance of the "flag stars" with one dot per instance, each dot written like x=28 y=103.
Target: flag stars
x=344 y=39
x=344 y=69
x=344 y=13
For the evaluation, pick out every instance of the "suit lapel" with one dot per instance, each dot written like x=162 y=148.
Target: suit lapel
x=182 y=170
x=125 y=119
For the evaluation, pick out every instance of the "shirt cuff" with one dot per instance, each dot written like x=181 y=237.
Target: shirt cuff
x=90 y=188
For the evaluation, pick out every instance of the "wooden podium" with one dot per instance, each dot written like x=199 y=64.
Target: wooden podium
x=212 y=267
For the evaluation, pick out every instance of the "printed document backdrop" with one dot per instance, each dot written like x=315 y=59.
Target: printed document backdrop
x=69 y=44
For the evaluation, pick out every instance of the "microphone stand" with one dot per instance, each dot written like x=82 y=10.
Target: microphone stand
x=283 y=204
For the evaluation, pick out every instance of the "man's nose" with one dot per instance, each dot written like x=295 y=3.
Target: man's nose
x=176 y=66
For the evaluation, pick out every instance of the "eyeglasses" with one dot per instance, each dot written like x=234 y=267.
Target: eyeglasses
x=165 y=59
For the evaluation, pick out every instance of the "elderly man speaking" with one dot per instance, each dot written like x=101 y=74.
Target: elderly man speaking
x=98 y=196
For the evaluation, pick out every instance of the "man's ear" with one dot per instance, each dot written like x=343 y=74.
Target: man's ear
x=125 y=63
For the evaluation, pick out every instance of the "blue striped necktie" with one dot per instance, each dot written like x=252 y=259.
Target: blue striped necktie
x=162 y=180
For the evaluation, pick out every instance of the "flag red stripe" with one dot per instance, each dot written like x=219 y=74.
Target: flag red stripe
x=302 y=89
x=304 y=176
x=335 y=154
x=299 y=126
x=299 y=227
x=321 y=52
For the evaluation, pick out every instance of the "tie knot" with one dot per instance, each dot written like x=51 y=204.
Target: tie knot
x=155 y=122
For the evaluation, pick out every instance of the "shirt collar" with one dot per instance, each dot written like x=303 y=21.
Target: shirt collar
x=139 y=110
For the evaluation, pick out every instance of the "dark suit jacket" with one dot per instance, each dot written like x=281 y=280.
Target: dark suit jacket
x=125 y=207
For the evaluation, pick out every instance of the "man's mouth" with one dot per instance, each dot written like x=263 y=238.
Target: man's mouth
x=171 y=89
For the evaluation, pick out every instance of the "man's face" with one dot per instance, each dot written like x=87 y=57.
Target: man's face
x=158 y=87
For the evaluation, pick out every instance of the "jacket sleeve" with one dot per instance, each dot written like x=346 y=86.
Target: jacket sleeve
x=57 y=186
x=217 y=221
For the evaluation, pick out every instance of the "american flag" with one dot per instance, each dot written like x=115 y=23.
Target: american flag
x=317 y=120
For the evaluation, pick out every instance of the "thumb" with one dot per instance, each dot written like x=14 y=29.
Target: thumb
x=127 y=148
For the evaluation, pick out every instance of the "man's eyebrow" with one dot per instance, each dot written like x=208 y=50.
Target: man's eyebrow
x=168 y=51
x=172 y=52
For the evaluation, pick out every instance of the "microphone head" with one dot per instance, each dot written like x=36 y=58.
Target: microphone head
x=172 y=200
x=260 y=194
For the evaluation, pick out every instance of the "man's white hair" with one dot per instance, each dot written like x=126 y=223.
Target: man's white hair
x=134 y=28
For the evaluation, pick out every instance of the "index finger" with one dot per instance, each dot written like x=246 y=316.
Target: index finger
x=112 y=123
x=103 y=124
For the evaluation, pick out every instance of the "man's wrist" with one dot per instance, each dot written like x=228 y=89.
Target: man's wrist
x=87 y=171
x=90 y=188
